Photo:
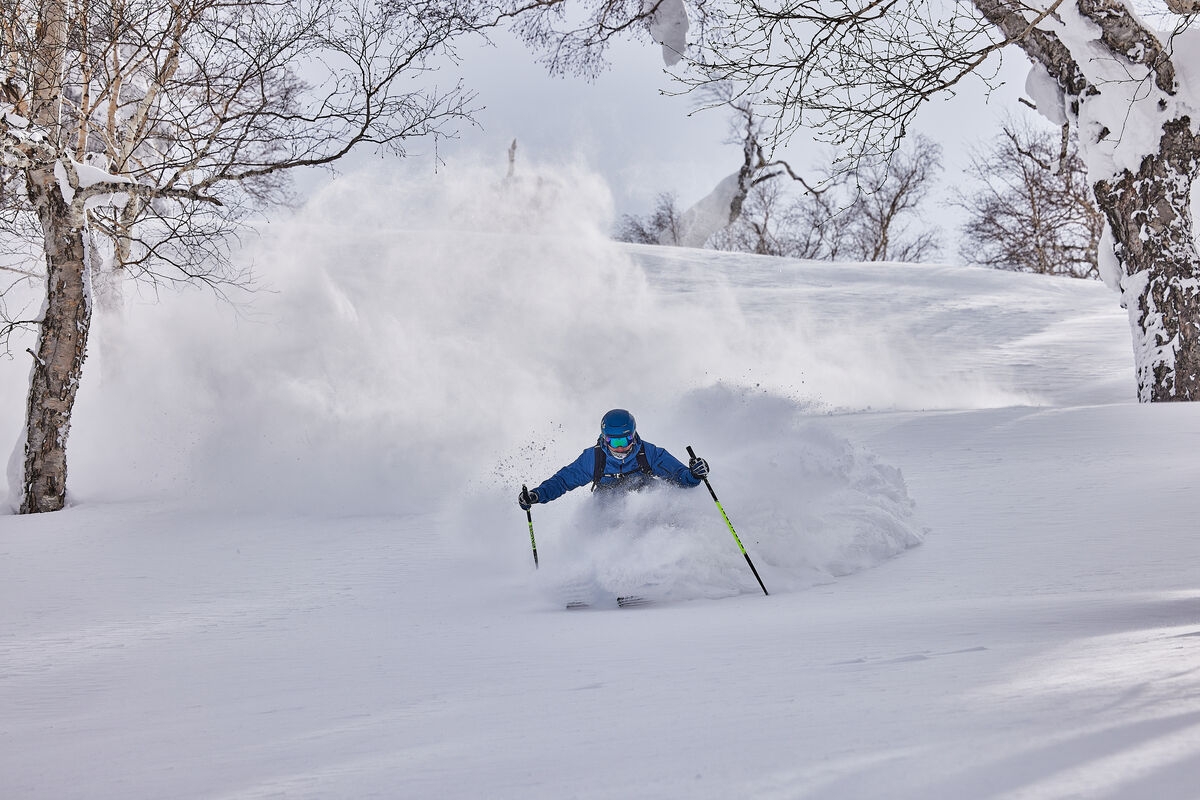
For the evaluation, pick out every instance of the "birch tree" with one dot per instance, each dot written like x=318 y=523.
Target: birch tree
x=855 y=73
x=1029 y=207
x=136 y=136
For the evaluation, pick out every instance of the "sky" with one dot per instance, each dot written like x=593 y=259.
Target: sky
x=293 y=564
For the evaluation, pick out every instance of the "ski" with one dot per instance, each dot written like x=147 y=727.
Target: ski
x=632 y=601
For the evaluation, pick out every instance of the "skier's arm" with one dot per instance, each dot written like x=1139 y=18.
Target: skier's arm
x=572 y=476
x=669 y=467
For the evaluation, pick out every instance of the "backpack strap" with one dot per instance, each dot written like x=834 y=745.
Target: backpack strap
x=598 y=469
x=644 y=461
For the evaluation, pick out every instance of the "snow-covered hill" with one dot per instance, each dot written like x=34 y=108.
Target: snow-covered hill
x=294 y=566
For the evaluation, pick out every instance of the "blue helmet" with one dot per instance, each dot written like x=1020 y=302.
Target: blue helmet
x=618 y=431
x=618 y=422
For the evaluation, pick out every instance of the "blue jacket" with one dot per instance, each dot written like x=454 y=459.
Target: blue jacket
x=579 y=472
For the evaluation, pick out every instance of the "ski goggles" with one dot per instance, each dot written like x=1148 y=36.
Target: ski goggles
x=619 y=442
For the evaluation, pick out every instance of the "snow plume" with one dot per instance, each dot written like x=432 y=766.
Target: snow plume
x=807 y=504
x=420 y=343
x=408 y=335
x=402 y=328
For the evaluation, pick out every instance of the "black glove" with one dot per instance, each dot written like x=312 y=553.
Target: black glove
x=527 y=498
x=698 y=467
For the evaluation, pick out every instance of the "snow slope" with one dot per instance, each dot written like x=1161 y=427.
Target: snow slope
x=293 y=565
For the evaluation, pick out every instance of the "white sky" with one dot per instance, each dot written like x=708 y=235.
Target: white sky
x=643 y=142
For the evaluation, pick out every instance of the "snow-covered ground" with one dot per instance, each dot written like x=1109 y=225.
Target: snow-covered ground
x=294 y=566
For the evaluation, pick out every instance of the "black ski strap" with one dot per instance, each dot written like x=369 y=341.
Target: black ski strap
x=598 y=469
x=644 y=461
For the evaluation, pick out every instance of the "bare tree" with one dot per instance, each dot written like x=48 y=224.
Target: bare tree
x=1032 y=209
x=857 y=73
x=139 y=135
x=885 y=219
x=873 y=212
x=660 y=226
x=723 y=208
x=765 y=224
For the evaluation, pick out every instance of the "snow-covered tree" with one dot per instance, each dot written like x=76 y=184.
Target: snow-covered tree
x=138 y=135
x=855 y=73
x=1107 y=71
x=872 y=212
x=723 y=207
x=768 y=225
x=1030 y=208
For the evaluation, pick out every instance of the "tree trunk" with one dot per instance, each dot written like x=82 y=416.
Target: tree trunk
x=1150 y=218
x=1148 y=213
x=61 y=347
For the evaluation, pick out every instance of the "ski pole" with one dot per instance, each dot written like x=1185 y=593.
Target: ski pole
x=692 y=454
x=532 y=541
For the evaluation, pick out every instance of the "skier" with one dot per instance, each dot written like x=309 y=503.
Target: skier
x=620 y=460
